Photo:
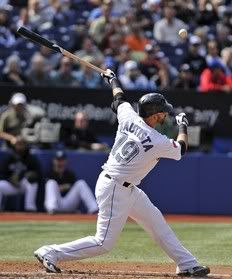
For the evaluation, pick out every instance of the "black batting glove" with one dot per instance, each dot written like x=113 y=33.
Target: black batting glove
x=108 y=76
x=182 y=119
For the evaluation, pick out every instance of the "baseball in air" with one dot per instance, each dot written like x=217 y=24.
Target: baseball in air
x=183 y=33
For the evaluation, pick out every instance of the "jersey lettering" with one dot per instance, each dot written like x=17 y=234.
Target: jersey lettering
x=137 y=131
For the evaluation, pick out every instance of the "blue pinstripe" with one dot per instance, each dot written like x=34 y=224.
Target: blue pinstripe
x=111 y=211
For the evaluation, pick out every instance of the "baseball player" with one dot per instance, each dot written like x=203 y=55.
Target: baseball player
x=137 y=149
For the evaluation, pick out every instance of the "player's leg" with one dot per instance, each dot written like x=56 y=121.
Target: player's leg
x=79 y=191
x=149 y=216
x=7 y=189
x=114 y=202
x=30 y=190
x=52 y=196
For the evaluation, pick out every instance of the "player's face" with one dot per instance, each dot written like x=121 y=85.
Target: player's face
x=161 y=117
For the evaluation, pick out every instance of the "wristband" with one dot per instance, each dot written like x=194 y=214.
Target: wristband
x=183 y=129
x=114 y=83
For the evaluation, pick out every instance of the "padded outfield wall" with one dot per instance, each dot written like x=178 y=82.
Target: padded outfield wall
x=198 y=184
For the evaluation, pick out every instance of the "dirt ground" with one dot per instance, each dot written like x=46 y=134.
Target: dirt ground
x=89 y=270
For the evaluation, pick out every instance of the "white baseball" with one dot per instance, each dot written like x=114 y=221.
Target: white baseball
x=183 y=33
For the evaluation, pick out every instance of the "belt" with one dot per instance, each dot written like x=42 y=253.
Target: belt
x=125 y=184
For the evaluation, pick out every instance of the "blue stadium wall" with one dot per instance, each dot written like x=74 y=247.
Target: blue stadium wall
x=198 y=184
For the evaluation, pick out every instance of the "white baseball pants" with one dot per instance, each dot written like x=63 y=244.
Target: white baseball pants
x=116 y=203
x=30 y=190
x=69 y=203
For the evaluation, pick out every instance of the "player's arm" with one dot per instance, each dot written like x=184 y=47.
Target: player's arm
x=118 y=94
x=182 y=137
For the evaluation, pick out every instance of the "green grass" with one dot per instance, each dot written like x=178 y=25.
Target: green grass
x=211 y=243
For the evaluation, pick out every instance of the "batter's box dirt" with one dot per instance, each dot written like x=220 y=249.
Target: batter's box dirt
x=98 y=270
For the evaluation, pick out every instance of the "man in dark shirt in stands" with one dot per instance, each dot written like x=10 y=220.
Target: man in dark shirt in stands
x=194 y=59
x=21 y=173
x=81 y=136
x=63 y=192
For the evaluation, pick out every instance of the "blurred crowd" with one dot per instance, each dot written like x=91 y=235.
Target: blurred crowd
x=24 y=128
x=138 y=39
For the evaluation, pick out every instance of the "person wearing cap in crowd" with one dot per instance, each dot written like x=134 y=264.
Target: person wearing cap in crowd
x=20 y=173
x=149 y=65
x=134 y=79
x=213 y=78
x=196 y=62
x=17 y=116
x=63 y=192
x=185 y=78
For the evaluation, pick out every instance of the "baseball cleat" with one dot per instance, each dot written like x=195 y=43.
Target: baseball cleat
x=42 y=255
x=197 y=271
x=50 y=267
x=39 y=258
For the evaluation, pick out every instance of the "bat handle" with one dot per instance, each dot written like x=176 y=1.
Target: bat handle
x=81 y=61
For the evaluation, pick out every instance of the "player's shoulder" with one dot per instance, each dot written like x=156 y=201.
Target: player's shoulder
x=126 y=108
x=158 y=137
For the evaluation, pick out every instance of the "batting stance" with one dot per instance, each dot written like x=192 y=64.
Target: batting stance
x=137 y=149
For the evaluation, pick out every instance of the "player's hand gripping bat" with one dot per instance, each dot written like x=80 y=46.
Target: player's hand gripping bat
x=42 y=41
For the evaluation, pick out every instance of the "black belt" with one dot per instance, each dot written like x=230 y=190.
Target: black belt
x=125 y=184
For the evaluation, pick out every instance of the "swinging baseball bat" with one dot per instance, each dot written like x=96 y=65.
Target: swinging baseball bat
x=45 y=42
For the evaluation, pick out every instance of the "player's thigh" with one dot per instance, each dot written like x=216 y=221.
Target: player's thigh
x=145 y=212
x=114 y=202
x=7 y=188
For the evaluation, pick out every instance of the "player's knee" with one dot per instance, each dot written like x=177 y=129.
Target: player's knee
x=107 y=246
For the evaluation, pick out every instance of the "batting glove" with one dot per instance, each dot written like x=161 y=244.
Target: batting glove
x=108 y=76
x=182 y=119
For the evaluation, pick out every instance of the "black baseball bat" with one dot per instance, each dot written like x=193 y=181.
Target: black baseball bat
x=45 y=42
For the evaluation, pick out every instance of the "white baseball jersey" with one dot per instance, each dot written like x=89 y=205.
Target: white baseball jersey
x=137 y=148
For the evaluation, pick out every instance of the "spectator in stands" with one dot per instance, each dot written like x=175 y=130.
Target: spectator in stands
x=149 y=65
x=196 y=62
x=185 y=79
x=86 y=77
x=223 y=35
x=136 y=40
x=51 y=58
x=226 y=55
x=120 y=7
x=21 y=173
x=17 y=116
x=206 y=13
x=213 y=78
x=143 y=16
x=123 y=56
x=12 y=73
x=37 y=17
x=80 y=135
x=213 y=51
x=88 y=48
x=37 y=74
x=7 y=38
x=166 y=29
x=134 y=79
x=63 y=192
x=154 y=7
x=98 y=26
x=23 y=19
x=65 y=76
x=186 y=11
x=166 y=72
